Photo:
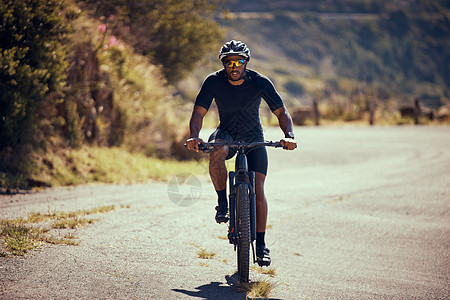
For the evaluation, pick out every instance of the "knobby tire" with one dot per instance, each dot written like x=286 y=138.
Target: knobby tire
x=243 y=255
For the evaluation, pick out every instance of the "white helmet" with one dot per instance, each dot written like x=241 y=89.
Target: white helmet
x=234 y=47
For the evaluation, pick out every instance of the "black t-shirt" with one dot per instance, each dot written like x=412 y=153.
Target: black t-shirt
x=238 y=105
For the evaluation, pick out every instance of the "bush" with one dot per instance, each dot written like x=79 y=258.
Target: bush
x=175 y=33
x=32 y=64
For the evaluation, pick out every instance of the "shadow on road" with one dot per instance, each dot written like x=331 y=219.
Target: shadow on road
x=216 y=290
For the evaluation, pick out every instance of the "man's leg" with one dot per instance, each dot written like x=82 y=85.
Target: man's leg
x=258 y=162
x=218 y=173
x=262 y=253
x=261 y=203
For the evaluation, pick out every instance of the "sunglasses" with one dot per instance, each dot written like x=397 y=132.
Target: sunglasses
x=237 y=63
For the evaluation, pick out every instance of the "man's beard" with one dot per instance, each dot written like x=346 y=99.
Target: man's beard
x=241 y=77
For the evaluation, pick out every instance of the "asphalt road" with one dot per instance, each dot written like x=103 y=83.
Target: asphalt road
x=354 y=213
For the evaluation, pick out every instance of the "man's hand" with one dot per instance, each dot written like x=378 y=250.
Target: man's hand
x=192 y=143
x=288 y=143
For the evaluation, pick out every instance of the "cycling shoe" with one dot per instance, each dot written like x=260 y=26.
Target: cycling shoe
x=263 y=256
x=221 y=214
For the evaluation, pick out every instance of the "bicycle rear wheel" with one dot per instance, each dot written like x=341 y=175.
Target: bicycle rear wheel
x=243 y=249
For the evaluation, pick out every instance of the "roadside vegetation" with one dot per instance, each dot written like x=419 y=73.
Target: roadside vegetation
x=89 y=164
x=95 y=104
x=20 y=236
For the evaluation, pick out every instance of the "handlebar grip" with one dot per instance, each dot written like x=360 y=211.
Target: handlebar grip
x=277 y=145
x=201 y=147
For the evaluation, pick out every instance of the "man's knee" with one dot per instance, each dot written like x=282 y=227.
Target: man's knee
x=220 y=152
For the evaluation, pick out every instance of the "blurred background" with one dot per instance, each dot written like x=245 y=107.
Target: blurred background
x=87 y=83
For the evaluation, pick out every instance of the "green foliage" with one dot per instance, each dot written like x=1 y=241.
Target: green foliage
x=67 y=79
x=19 y=239
x=145 y=110
x=175 y=33
x=32 y=64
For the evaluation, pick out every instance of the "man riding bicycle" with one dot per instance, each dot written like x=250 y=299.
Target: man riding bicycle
x=238 y=92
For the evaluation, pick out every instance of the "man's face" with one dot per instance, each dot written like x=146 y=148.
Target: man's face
x=235 y=72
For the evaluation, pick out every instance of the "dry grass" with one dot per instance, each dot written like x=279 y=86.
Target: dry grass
x=202 y=264
x=266 y=271
x=23 y=235
x=73 y=223
x=202 y=253
x=258 y=289
x=59 y=241
x=336 y=200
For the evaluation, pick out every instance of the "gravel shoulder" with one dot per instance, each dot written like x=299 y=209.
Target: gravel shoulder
x=354 y=213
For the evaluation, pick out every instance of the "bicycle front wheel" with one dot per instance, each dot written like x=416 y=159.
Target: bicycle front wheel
x=243 y=249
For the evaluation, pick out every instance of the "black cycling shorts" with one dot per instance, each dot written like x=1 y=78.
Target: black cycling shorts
x=256 y=157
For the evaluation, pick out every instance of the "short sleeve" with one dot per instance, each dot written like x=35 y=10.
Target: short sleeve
x=270 y=94
x=206 y=94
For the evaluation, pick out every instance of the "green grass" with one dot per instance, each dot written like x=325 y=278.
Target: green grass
x=110 y=165
x=19 y=239
x=20 y=235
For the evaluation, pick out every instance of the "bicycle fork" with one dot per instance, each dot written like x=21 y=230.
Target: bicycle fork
x=236 y=179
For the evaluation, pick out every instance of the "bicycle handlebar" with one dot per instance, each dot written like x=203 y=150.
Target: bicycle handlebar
x=208 y=147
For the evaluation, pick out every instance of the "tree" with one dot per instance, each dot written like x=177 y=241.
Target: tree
x=174 y=33
x=32 y=63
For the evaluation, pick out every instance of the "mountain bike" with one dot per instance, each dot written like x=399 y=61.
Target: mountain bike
x=242 y=202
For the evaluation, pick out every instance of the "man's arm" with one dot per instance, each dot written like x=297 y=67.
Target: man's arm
x=195 y=125
x=285 y=122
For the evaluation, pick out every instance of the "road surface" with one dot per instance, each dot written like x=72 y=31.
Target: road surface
x=354 y=213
